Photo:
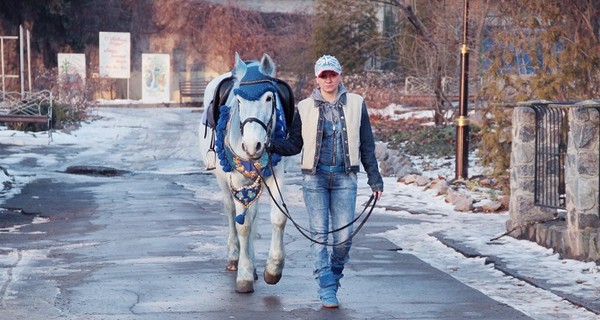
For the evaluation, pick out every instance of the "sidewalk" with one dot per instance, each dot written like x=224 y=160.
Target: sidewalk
x=150 y=244
x=381 y=281
x=139 y=256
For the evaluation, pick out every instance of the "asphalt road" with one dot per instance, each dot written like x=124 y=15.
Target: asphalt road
x=148 y=242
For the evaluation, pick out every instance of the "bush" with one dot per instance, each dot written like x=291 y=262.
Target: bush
x=416 y=138
x=73 y=96
x=496 y=143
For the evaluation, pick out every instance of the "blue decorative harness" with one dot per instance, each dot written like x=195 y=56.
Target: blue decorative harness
x=252 y=87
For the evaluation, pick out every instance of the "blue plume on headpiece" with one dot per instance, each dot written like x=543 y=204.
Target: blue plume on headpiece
x=254 y=84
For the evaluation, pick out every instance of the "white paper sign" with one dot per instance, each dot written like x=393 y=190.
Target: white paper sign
x=115 y=55
x=155 y=77
x=71 y=66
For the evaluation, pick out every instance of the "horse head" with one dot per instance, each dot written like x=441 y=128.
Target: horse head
x=254 y=108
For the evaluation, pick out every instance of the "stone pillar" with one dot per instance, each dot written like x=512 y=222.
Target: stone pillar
x=582 y=183
x=522 y=209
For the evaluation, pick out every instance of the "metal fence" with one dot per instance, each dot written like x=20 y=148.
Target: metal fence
x=551 y=130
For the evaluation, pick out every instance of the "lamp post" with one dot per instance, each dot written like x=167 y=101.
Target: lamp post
x=462 y=122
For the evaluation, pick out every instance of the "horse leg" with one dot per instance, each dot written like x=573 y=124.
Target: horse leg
x=246 y=273
x=276 y=260
x=233 y=245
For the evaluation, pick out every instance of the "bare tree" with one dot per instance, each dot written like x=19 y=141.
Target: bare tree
x=429 y=39
x=230 y=29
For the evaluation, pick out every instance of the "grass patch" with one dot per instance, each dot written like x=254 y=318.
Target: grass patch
x=416 y=138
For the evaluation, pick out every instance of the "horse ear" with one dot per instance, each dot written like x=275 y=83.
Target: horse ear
x=267 y=66
x=239 y=69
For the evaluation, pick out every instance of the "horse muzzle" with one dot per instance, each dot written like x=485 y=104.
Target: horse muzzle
x=252 y=145
x=254 y=150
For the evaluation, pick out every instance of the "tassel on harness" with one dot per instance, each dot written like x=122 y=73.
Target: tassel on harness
x=240 y=218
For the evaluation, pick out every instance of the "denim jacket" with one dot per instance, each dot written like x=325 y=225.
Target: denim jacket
x=358 y=146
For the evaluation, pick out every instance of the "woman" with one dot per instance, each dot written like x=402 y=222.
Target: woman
x=333 y=130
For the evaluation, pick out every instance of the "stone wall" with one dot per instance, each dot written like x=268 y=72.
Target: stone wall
x=582 y=182
x=577 y=236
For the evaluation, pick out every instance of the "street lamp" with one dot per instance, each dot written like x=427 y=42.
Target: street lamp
x=462 y=122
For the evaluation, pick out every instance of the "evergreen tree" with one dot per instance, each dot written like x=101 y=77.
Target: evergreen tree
x=545 y=50
x=345 y=29
x=539 y=50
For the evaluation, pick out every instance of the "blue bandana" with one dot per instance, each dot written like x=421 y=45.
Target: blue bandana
x=254 y=84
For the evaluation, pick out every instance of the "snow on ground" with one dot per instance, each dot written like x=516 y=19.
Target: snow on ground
x=423 y=218
x=418 y=230
x=397 y=112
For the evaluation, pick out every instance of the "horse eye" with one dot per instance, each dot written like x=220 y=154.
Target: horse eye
x=269 y=98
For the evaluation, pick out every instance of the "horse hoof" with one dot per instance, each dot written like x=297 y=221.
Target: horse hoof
x=232 y=265
x=244 y=286
x=271 y=279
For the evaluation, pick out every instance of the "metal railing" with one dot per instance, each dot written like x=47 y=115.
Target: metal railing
x=26 y=103
x=551 y=141
x=551 y=130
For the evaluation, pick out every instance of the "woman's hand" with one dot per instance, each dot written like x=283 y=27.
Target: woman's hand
x=377 y=194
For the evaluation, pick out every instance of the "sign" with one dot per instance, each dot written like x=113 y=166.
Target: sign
x=115 y=55
x=71 y=66
x=155 y=77
x=71 y=76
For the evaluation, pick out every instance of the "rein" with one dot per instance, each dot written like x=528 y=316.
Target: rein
x=269 y=125
x=305 y=232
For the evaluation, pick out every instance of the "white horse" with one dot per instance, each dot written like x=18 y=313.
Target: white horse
x=251 y=115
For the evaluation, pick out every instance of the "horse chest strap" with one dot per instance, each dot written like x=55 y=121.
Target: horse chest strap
x=249 y=169
x=248 y=194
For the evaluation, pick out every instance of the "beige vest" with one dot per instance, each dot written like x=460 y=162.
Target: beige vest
x=309 y=114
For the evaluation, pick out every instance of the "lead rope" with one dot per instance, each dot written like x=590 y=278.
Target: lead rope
x=303 y=230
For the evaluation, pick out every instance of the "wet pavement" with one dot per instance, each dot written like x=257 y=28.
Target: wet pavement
x=149 y=243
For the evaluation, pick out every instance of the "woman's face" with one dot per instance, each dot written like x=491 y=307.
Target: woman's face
x=328 y=81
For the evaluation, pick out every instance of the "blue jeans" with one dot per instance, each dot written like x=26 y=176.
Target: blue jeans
x=330 y=199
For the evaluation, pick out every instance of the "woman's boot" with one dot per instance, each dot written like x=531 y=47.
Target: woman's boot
x=327 y=290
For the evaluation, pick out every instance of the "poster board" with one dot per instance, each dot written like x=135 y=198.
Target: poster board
x=155 y=77
x=71 y=66
x=71 y=74
x=115 y=55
